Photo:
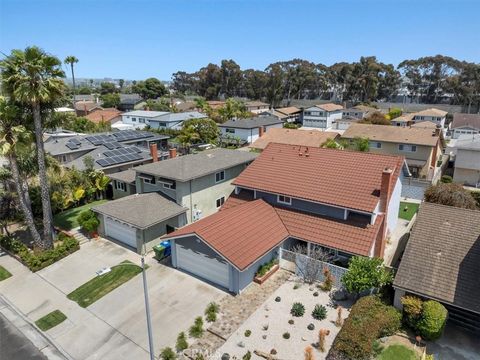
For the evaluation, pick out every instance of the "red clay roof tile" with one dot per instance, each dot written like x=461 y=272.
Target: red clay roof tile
x=336 y=177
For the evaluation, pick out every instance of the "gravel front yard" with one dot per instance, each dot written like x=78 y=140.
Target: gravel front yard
x=276 y=316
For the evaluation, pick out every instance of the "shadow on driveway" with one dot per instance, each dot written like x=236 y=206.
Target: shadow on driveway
x=455 y=344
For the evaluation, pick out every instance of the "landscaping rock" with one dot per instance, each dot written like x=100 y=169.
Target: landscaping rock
x=225 y=356
x=241 y=344
x=264 y=337
x=339 y=295
x=304 y=338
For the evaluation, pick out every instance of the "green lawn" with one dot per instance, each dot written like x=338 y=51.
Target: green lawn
x=100 y=286
x=397 y=352
x=412 y=208
x=50 y=320
x=67 y=219
x=4 y=273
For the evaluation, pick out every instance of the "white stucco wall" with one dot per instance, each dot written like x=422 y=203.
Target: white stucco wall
x=464 y=131
x=393 y=206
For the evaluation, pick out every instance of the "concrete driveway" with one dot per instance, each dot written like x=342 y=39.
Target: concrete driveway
x=455 y=344
x=175 y=300
x=114 y=327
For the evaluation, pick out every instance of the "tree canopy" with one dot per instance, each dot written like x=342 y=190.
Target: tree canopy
x=151 y=88
x=451 y=194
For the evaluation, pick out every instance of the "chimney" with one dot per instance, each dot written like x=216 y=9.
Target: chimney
x=154 y=152
x=437 y=131
x=385 y=189
x=172 y=152
x=260 y=131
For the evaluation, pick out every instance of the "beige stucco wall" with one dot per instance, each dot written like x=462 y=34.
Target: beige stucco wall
x=466 y=176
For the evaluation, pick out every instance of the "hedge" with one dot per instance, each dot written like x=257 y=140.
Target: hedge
x=369 y=320
x=37 y=260
x=433 y=319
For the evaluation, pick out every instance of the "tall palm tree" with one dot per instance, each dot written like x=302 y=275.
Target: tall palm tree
x=12 y=138
x=70 y=60
x=35 y=79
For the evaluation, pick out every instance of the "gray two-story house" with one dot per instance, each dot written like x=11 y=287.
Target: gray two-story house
x=170 y=194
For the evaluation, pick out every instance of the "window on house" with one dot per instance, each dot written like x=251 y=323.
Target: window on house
x=308 y=113
x=63 y=158
x=162 y=124
x=375 y=144
x=230 y=131
x=220 y=176
x=169 y=186
x=149 y=180
x=119 y=185
x=134 y=119
x=141 y=120
x=406 y=147
x=220 y=201
x=282 y=199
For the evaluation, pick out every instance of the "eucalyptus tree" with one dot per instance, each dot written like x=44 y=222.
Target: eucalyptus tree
x=34 y=79
x=71 y=60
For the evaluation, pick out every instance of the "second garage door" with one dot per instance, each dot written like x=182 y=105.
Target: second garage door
x=121 y=232
x=206 y=267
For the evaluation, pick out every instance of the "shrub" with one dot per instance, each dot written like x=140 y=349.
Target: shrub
x=181 y=343
x=319 y=312
x=476 y=197
x=211 y=312
x=247 y=356
x=265 y=268
x=394 y=113
x=248 y=333
x=450 y=194
x=196 y=330
x=365 y=274
x=296 y=286
x=286 y=335
x=298 y=309
x=432 y=321
x=168 y=354
x=446 y=179
x=412 y=310
x=37 y=260
x=291 y=321
x=88 y=221
x=369 y=319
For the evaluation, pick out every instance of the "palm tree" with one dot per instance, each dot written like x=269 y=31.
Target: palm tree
x=70 y=60
x=12 y=138
x=35 y=79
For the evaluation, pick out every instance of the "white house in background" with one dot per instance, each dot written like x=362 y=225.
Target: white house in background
x=322 y=116
x=467 y=160
x=465 y=124
x=247 y=130
x=434 y=115
x=256 y=106
x=159 y=119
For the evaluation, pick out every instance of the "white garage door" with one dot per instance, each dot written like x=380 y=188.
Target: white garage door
x=121 y=232
x=203 y=266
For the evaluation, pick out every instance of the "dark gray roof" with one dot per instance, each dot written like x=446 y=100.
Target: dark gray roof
x=141 y=210
x=127 y=176
x=442 y=257
x=188 y=167
x=252 y=123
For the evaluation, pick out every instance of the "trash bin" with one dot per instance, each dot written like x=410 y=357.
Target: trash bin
x=162 y=250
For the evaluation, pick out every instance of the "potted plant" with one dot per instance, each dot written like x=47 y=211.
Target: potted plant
x=89 y=222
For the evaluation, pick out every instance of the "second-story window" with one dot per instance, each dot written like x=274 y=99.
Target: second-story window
x=407 y=147
x=230 y=131
x=220 y=176
x=375 y=144
x=220 y=201
x=282 y=199
x=149 y=180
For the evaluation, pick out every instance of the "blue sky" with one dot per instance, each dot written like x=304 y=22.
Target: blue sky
x=135 y=39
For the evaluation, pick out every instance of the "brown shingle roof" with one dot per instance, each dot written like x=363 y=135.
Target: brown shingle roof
x=431 y=112
x=442 y=257
x=228 y=234
x=394 y=134
x=89 y=105
x=106 y=115
x=336 y=177
x=471 y=120
x=330 y=107
x=288 y=110
x=311 y=138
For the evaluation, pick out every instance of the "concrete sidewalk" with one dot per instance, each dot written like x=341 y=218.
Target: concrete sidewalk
x=22 y=340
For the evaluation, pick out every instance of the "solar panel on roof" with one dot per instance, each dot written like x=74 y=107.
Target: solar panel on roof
x=102 y=162
x=75 y=141
x=112 y=145
x=72 y=146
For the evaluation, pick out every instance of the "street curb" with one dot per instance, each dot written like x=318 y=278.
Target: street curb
x=9 y=305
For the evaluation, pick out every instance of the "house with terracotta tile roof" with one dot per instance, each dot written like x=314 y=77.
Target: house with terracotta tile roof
x=322 y=116
x=343 y=202
x=105 y=115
